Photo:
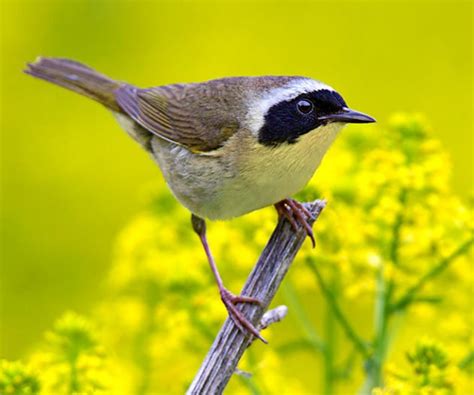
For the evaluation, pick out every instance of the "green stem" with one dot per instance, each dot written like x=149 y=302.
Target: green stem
x=296 y=306
x=330 y=349
x=374 y=363
x=394 y=248
x=380 y=327
x=397 y=227
x=412 y=292
x=384 y=293
x=74 y=382
x=359 y=343
x=466 y=361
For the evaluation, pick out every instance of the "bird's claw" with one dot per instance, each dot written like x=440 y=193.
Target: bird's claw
x=230 y=301
x=296 y=213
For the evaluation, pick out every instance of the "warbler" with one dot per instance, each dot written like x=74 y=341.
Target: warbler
x=226 y=147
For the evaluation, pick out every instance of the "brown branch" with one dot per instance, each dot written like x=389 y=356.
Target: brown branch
x=267 y=275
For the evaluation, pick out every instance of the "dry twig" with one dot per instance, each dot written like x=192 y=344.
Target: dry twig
x=267 y=275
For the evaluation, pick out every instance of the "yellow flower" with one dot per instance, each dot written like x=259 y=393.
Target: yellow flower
x=391 y=218
x=16 y=378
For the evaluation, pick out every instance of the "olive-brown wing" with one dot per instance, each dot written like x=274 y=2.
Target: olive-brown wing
x=187 y=115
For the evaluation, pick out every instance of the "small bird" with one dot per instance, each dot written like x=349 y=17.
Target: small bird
x=226 y=147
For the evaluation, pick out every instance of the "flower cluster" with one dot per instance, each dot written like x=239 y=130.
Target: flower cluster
x=391 y=244
x=428 y=370
x=164 y=310
x=17 y=379
x=71 y=360
x=393 y=230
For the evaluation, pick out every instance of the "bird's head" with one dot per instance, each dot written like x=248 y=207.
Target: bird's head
x=287 y=108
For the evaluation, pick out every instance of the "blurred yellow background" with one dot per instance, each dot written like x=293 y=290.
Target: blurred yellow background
x=71 y=179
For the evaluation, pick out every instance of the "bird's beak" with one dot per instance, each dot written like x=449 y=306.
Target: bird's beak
x=348 y=116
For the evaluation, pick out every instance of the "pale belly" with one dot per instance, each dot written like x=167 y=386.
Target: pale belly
x=230 y=185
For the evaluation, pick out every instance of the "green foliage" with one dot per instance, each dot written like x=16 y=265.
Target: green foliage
x=429 y=371
x=16 y=379
x=71 y=359
x=395 y=228
x=425 y=357
x=391 y=244
x=72 y=337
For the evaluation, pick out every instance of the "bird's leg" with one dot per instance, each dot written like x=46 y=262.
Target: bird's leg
x=228 y=298
x=296 y=214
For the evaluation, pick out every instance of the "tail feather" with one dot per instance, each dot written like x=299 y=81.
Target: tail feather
x=78 y=78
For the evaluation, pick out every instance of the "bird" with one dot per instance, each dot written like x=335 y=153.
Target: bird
x=225 y=147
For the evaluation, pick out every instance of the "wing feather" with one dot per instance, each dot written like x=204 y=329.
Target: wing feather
x=182 y=114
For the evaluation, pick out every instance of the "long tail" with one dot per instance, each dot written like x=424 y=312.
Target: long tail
x=76 y=77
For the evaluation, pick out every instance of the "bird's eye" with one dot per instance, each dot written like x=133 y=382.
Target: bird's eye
x=304 y=106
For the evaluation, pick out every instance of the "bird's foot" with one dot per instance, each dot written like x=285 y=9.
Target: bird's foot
x=296 y=213
x=230 y=301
